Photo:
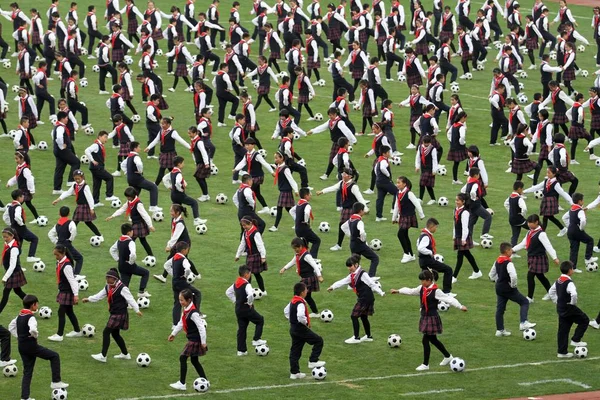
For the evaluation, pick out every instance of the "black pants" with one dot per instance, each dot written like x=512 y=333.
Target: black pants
x=182 y=198
x=43 y=96
x=382 y=190
x=531 y=283
x=494 y=26
x=597 y=51
x=225 y=98
x=311 y=237
x=479 y=53
x=502 y=299
x=404 y=240
x=516 y=231
x=566 y=319
x=243 y=320
x=427 y=339
x=575 y=240
x=63 y=312
x=390 y=59
x=76 y=106
x=548 y=37
x=466 y=22
x=442 y=269
x=76 y=61
x=116 y=334
x=210 y=56
x=104 y=69
x=460 y=256
x=93 y=35
x=153 y=130
x=177 y=306
x=63 y=158
x=147 y=185
x=365 y=251
x=98 y=176
x=321 y=43
x=499 y=122
x=6 y=292
x=77 y=257
x=447 y=67
x=137 y=271
x=302 y=171
x=4 y=47
x=29 y=354
x=302 y=335
x=5 y=337
x=343 y=83
x=28 y=236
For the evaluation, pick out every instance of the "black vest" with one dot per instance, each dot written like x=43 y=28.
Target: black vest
x=124 y=253
x=515 y=218
x=282 y=183
x=26 y=341
x=535 y=248
x=363 y=291
x=241 y=298
x=185 y=236
x=62 y=233
x=63 y=283
x=563 y=297
x=348 y=199
x=430 y=307
x=117 y=304
x=503 y=279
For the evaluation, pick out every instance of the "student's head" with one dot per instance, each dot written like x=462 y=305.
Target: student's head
x=402 y=182
x=551 y=172
x=130 y=193
x=30 y=302
x=127 y=229
x=305 y=193
x=278 y=158
x=240 y=119
x=461 y=200
x=165 y=123
x=427 y=277
x=543 y=114
x=244 y=272
x=426 y=141
x=553 y=85
x=186 y=297
x=518 y=186
x=579 y=97
x=17 y=195
x=64 y=211
x=300 y=289
x=566 y=268
x=178 y=162
x=506 y=249
x=376 y=128
x=61 y=251
x=288 y=132
x=8 y=234
x=332 y=113
x=299 y=243
x=364 y=83
x=343 y=142
x=134 y=146
x=559 y=138
x=246 y=179
x=176 y=210
x=593 y=91
x=102 y=137
x=533 y=221
x=358 y=208
x=78 y=176
x=112 y=276
x=247 y=222
x=182 y=247
x=353 y=262
x=432 y=225
x=249 y=144
x=577 y=198
x=385 y=151
x=117 y=119
x=19 y=158
x=474 y=172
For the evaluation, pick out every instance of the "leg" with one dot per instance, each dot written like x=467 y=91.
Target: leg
x=243 y=322
x=355 y=327
x=366 y=325
x=259 y=321
x=435 y=341
x=116 y=334
x=260 y=281
x=564 y=327
x=93 y=228
x=296 y=352
x=182 y=368
x=311 y=303
x=5 y=338
x=530 y=284
x=72 y=318
x=197 y=366
x=370 y=255
x=500 y=308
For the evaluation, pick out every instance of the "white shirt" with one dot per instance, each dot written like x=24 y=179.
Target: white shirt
x=434 y=125
x=174 y=135
x=582 y=219
x=354 y=190
x=140 y=209
x=68 y=271
x=341 y=125
x=114 y=252
x=309 y=259
x=196 y=319
x=365 y=278
x=526 y=142
x=230 y=293
x=562 y=155
x=512 y=274
x=439 y=295
x=434 y=162
x=300 y=313
x=26 y=172
x=413 y=199
x=240 y=166
x=291 y=124
x=32 y=105
x=87 y=192
x=543 y=237
x=125 y=130
x=260 y=245
x=53 y=235
x=571 y=289
x=562 y=95
x=522 y=204
x=125 y=293
x=32 y=324
x=136 y=160
x=362 y=234
x=18 y=214
x=12 y=263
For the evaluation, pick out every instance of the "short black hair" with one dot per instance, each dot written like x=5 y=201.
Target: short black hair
x=565 y=267
x=29 y=300
x=243 y=270
x=64 y=211
x=125 y=228
x=299 y=288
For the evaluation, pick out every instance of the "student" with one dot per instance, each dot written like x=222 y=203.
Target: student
x=309 y=271
x=427 y=251
x=25 y=328
x=25 y=182
x=474 y=190
x=366 y=100
x=305 y=92
x=134 y=170
x=28 y=109
x=23 y=139
x=287 y=187
x=576 y=221
x=406 y=206
x=124 y=252
x=564 y=294
x=560 y=100
x=427 y=125
x=119 y=298
x=96 y=153
x=521 y=148
x=62 y=150
x=303 y=217
x=180 y=55
x=544 y=134
x=122 y=133
x=68 y=294
x=499 y=121
x=462 y=234
x=577 y=130
x=104 y=63
x=14 y=216
x=242 y=295
x=264 y=74
x=364 y=286
x=63 y=234
x=416 y=102
x=430 y=324
x=180 y=267
x=194 y=327
x=201 y=155
x=167 y=138
x=457 y=134
x=517 y=212
x=355 y=229
x=237 y=134
x=178 y=186
x=253 y=163
x=383 y=181
x=13 y=278
x=426 y=161
x=559 y=159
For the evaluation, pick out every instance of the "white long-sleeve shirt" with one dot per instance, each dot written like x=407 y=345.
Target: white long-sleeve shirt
x=434 y=125
x=114 y=252
x=359 y=53
x=464 y=223
x=174 y=135
x=291 y=124
x=579 y=114
x=26 y=172
x=32 y=106
x=140 y=209
x=561 y=192
x=434 y=158
x=31 y=324
x=360 y=226
x=125 y=293
x=269 y=71
x=175 y=233
x=422 y=244
x=53 y=235
x=260 y=245
x=543 y=238
x=342 y=127
x=309 y=259
x=230 y=293
x=571 y=289
x=370 y=93
x=526 y=142
x=242 y=164
x=562 y=155
x=365 y=278
x=181 y=48
x=196 y=319
x=12 y=263
x=512 y=274
x=137 y=161
x=562 y=95
x=18 y=214
x=413 y=199
x=87 y=192
x=248 y=195
x=125 y=130
x=439 y=295
x=521 y=202
x=580 y=214
x=68 y=271
x=187 y=267
x=300 y=313
x=354 y=190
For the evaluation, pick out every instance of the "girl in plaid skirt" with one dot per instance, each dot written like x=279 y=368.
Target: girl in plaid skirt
x=569 y=66
x=457 y=136
x=13 y=277
x=521 y=147
x=68 y=294
x=127 y=85
x=462 y=234
x=593 y=103
x=364 y=286
x=195 y=330
x=119 y=297
x=308 y=269
x=124 y=138
x=430 y=324
x=577 y=131
x=406 y=207
x=287 y=187
x=367 y=101
x=252 y=244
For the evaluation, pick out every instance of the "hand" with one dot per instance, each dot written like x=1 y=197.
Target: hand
x=556 y=261
x=329 y=289
x=236 y=259
x=296 y=194
x=320 y=279
x=320 y=192
x=394 y=222
x=92 y=212
x=85 y=300
x=139 y=313
x=171 y=338
x=108 y=218
x=146 y=150
x=273 y=174
x=394 y=291
x=464 y=242
x=282 y=270
x=587 y=148
x=94 y=162
x=233 y=170
x=75 y=299
x=55 y=201
x=417 y=169
x=366 y=155
x=310 y=132
x=152 y=229
x=382 y=294
x=463 y=308
x=263 y=260
x=167 y=249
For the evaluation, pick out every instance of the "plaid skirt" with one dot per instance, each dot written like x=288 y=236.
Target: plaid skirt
x=445 y=35
x=357 y=73
x=202 y=172
x=275 y=55
x=559 y=118
x=126 y=95
x=258 y=180
x=538 y=264
x=595 y=121
x=303 y=99
x=345 y=214
x=27 y=196
x=578 y=132
x=413 y=119
x=83 y=213
x=24 y=75
x=118 y=55
x=380 y=40
x=286 y=199
x=564 y=176
x=569 y=74
x=233 y=75
x=157 y=34
x=140 y=230
x=333 y=152
x=63 y=83
x=459 y=246
x=193 y=349
x=334 y=33
x=65 y=299
x=311 y=282
x=132 y=26
x=181 y=70
x=427 y=179
x=162 y=104
x=368 y=111
x=466 y=56
x=35 y=37
x=532 y=43
x=165 y=160
x=421 y=49
x=544 y=152
x=312 y=64
x=408 y=221
x=414 y=80
x=363 y=309
x=362 y=36
x=124 y=149
x=457 y=155
x=118 y=321
x=520 y=166
x=32 y=120
x=61 y=46
x=430 y=324
x=263 y=90
x=549 y=206
x=254 y=264
x=297 y=29
x=16 y=280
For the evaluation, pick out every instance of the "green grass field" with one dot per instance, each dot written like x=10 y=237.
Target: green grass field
x=495 y=366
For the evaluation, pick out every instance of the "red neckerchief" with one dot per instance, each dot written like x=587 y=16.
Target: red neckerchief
x=285 y=122
x=178 y=257
x=563 y=279
x=8 y=246
x=113 y=38
x=300 y=81
x=576 y=105
x=247 y=235
x=354 y=278
x=339 y=99
x=59 y=266
x=27 y=135
x=155 y=108
x=593 y=102
x=163 y=134
x=426 y=292
x=78 y=188
x=111 y=291
x=391 y=114
x=576 y=207
x=102 y=149
x=298 y=257
x=62 y=220
x=424 y=152
x=475 y=180
x=445 y=18
x=414 y=100
x=262 y=68
x=354 y=55
x=185 y=315
x=244 y=186
x=16 y=203
x=239 y=282
x=176 y=170
x=503 y=259
x=375 y=139
x=555 y=95
x=549 y=183
x=333 y=123
x=530 y=235
x=497 y=80
x=119 y=129
x=131 y=205
x=298 y=299
x=303 y=201
x=473 y=161
x=174 y=222
x=195 y=141
x=457 y=213
x=431 y=71
x=514 y=195
x=401 y=194
x=20 y=169
x=280 y=167
x=74 y=84
x=431 y=239
x=25 y=312
x=208 y=125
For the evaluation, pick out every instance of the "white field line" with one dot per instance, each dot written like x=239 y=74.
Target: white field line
x=431 y=392
x=569 y=381
x=360 y=379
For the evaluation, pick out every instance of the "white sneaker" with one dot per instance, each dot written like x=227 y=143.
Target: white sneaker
x=324 y=177
x=366 y=339
x=593 y=157
x=55 y=338
x=446 y=360
x=204 y=198
x=503 y=332
x=111 y=198
x=475 y=243
x=596 y=249
x=352 y=340
x=258 y=342
x=562 y=232
x=464 y=76
x=546 y=297
x=337 y=247
x=12 y=362
x=456 y=182
x=74 y=334
x=450 y=294
x=59 y=385
x=99 y=357
x=221 y=124
x=273 y=229
x=593 y=324
x=411 y=146
x=57 y=192
x=103 y=92
x=486 y=236
x=160 y=278
x=422 y=367
x=116 y=173
x=272 y=110
x=529 y=299
x=526 y=325
x=99 y=205
x=33 y=221
x=264 y=210
x=79 y=277
x=316 y=364
x=431 y=202
x=314 y=315
x=577 y=270
x=231 y=117
x=405 y=258
x=122 y=356
x=242 y=353
x=509 y=169
x=566 y=355
x=236 y=182
x=199 y=221
x=591 y=260
x=476 y=275
x=32 y=259
x=338 y=209
x=378 y=219
x=170 y=89
x=144 y=294
x=179 y=386
x=465 y=173
x=154 y=208
x=454 y=280
x=578 y=344
x=515 y=255
x=574 y=162
x=299 y=375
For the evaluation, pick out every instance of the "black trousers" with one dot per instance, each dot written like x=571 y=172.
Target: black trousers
x=225 y=98
x=142 y=183
x=548 y=37
x=243 y=320
x=76 y=106
x=447 y=67
x=575 y=240
x=382 y=190
x=4 y=344
x=516 y=231
x=63 y=158
x=93 y=35
x=302 y=171
x=182 y=198
x=104 y=69
x=312 y=238
x=503 y=298
x=302 y=335
x=76 y=61
x=343 y=83
x=29 y=354
x=43 y=96
x=442 y=269
x=4 y=47
x=499 y=122
x=566 y=319
x=137 y=271
x=364 y=250
x=390 y=58
x=98 y=176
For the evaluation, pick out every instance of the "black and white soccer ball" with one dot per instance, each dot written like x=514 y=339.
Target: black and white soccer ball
x=397 y=160
x=523 y=75
x=59 y=394
x=213 y=169
x=15 y=88
x=580 y=352
x=318 y=117
x=115 y=203
x=490 y=211
x=83 y=51
x=143 y=360
x=521 y=86
x=262 y=350
x=468 y=76
x=580 y=48
x=42 y=146
x=273 y=211
x=149 y=261
x=201 y=385
x=394 y=340
x=486 y=243
x=584 y=73
x=443 y=201
x=324 y=227
x=201 y=229
x=326 y=315
x=95 y=241
x=221 y=198
x=83 y=83
x=438 y=258
x=263 y=153
x=158 y=216
x=96 y=68
x=442 y=306
x=522 y=98
x=89 y=131
x=319 y=373
x=6 y=64
x=258 y=294
x=128 y=60
x=529 y=334
x=136 y=118
x=88 y=330
x=442 y=171
x=591 y=267
x=10 y=371
x=158 y=52
x=83 y=284
x=455 y=88
x=84 y=159
x=39 y=266
x=302 y=162
x=42 y=220
x=480 y=67
x=45 y=312
x=143 y=302
x=538 y=194
x=375 y=244
x=457 y=364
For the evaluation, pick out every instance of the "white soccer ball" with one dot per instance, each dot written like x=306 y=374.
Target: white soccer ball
x=302 y=162
x=538 y=194
x=255 y=84
x=6 y=64
x=223 y=46
x=480 y=67
x=128 y=60
x=283 y=73
x=155 y=65
x=262 y=350
x=83 y=83
x=115 y=203
x=143 y=302
x=39 y=266
x=12 y=133
x=84 y=159
x=580 y=48
x=443 y=201
x=350 y=149
x=580 y=352
x=83 y=51
x=191 y=278
x=529 y=334
x=83 y=284
x=375 y=244
x=592 y=267
x=584 y=73
x=458 y=364
x=258 y=294
x=10 y=371
x=431 y=48
x=158 y=216
x=401 y=77
x=324 y=227
x=16 y=88
x=326 y=315
x=553 y=56
x=455 y=88
x=149 y=261
x=521 y=86
x=297 y=136
x=438 y=258
x=443 y=306
x=213 y=169
x=273 y=211
x=42 y=220
x=221 y=198
x=88 y=330
x=96 y=68
x=158 y=52
x=95 y=241
x=490 y=211
x=319 y=373
x=136 y=118
x=498 y=45
x=42 y=146
x=319 y=117
x=486 y=243
x=89 y=131
x=442 y=171
x=598 y=162
x=523 y=75
x=143 y=360
x=201 y=229
x=45 y=312
x=394 y=340
x=321 y=82
x=468 y=76
x=396 y=160
x=522 y=98
x=263 y=153
x=201 y=385
x=33 y=70
x=59 y=394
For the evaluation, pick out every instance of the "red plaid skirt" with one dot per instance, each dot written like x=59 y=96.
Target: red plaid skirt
x=286 y=199
x=413 y=119
x=414 y=79
x=466 y=56
x=297 y=29
x=368 y=111
x=380 y=40
x=544 y=152
x=16 y=280
x=118 y=55
x=427 y=179
x=362 y=309
x=118 y=321
x=124 y=149
x=532 y=43
x=345 y=214
x=126 y=95
x=564 y=176
x=312 y=64
x=311 y=282
x=63 y=83
x=83 y=213
x=157 y=34
x=569 y=74
x=421 y=48
x=263 y=90
x=559 y=118
x=576 y=132
x=459 y=246
x=24 y=75
x=202 y=172
x=334 y=33
x=333 y=152
x=362 y=36
x=193 y=349
x=549 y=206
x=408 y=221
x=32 y=120
x=303 y=99
x=35 y=37
x=165 y=160
x=181 y=70
x=595 y=121
x=254 y=264
x=65 y=299
x=27 y=196
x=132 y=26
x=140 y=230
x=430 y=324
x=522 y=166
x=275 y=55
x=538 y=264
x=357 y=73
x=445 y=35
x=257 y=181
x=162 y=104
x=457 y=155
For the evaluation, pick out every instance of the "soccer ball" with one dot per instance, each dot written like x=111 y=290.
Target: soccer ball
x=431 y=48
x=529 y=334
x=396 y=160
x=96 y=68
x=149 y=261
x=95 y=241
x=128 y=60
x=455 y=88
x=84 y=159
x=375 y=244
x=255 y=84
x=553 y=56
x=350 y=149
x=201 y=229
x=83 y=83
x=12 y=133
x=136 y=118
x=143 y=360
x=16 y=88
x=443 y=306
x=480 y=67
x=490 y=211
x=39 y=266
x=394 y=340
x=201 y=385
x=297 y=137
x=143 y=302
x=262 y=350
x=158 y=52
x=468 y=76
x=326 y=315
x=521 y=86
x=115 y=203
x=538 y=194
x=88 y=330
x=83 y=50
x=42 y=220
x=523 y=75
x=584 y=73
x=401 y=77
x=45 y=312
x=154 y=65
x=158 y=216
x=324 y=227
x=442 y=171
x=273 y=211
x=89 y=131
x=258 y=294
x=598 y=163
x=319 y=117
x=486 y=243
x=59 y=394
x=213 y=169
x=580 y=352
x=580 y=48
x=7 y=64
x=523 y=99
x=10 y=371
x=457 y=365
x=262 y=152
x=319 y=373
x=438 y=258
x=321 y=82
x=42 y=146
x=302 y=162
x=221 y=198
x=283 y=73
x=83 y=284
x=443 y=201
x=191 y=278
x=592 y=267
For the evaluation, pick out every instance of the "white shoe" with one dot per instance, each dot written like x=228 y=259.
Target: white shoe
x=204 y=198
x=310 y=119
x=144 y=294
x=258 y=342
x=526 y=325
x=265 y=210
x=171 y=90
x=546 y=297
x=314 y=315
x=456 y=182
x=591 y=260
x=154 y=209
x=122 y=356
x=299 y=375
x=422 y=367
x=273 y=229
x=574 y=162
x=316 y=364
x=33 y=259
x=99 y=357
x=475 y=243
x=33 y=222
x=397 y=153
x=529 y=299
x=593 y=324
x=405 y=258
x=377 y=219
x=366 y=339
x=533 y=66
x=411 y=146
x=454 y=280
x=577 y=270
x=59 y=385
x=179 y=386
x=103 y=92
x=508 y=170
x=199 y=221
x=593 y=157
x=57 y=192
x=446 y=360
x=431 y=202
x=221 y=124
x=566 y=355
x=476 y=275
x=515 y=255
x=55 y=338
x=79 y=277
x=272 y=110
x=337 y=247
x=160 y=278
x=368 y=191
x=486 y=236
x=338 y=209
x=464 y=76
x=242 y=353
x=231 y=117
x=450 y=294
x=116 y=173
x=111 y=198
x=578 y=344
x=236 y=182
x=562 y=232
x=74 y=334
x=324 y=177
x=596 y=249
x=12 y=362
x=352 y=340
x=99 y=205
x=503 y=332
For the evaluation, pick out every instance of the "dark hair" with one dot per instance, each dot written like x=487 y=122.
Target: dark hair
x=466 y=199
x=179 y=209
x=299 y=242
x=553 y=169
x=187 y=294
x=577 y=197
x=126 y=227
x=102 y=133
x=243 y=270
x=182 y=246
x=357 y=207
x=384 y=149
x=304 y=192
x=29 y=300
x=518 y=185
x=299 y=288
x=406 y=181
x=117 y=118
x=559 y=138
x=353 y=259
x=544 y=114
x=343 y=141
x=428 y=275
x=133 y=145
x=178 y=160
x=15 y=194
x=565 y=267
x=432 y=222
x=474 y=150
x=426 y=139
x=533 y=218
x=130 y=192
x=473 y=171
x=504 y=246
x=522 y=128
x=246 y=177
x=62 y=249
x=64 y=211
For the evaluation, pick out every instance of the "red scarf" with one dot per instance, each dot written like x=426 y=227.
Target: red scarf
x=131 y=205
x=78 y=188
x=401 y=194
x=374 y=143
x=431 y=239
x=354 y=278
x=59 y=266
x=163 y=134
x=298 y=299
x=244 y=186
x=301 y=202
x=457 y=213
x=177 y=170
x=102 y=149
x=503 y=259
x=20 y=169
x=426 y=292
x=424 y=152
x=344 y=191
x=298 y=257
x=8 y=246
x=195 y=141
x=112 y=290
x=185 y=315
x=247 y=235
x=239 y=282
x=530 y=236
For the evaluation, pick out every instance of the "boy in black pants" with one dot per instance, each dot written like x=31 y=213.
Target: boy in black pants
x=426 y=249
x=575 y=221
x=242 y=294
x=62 y=234
x=297 y=313
x=517 y=210
x=97 y=155
x=178 y=195
x=564 y=294
x=355 y=228
x=24 y=328
x=5 y=359
x=124 y=252
x=303 y=216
